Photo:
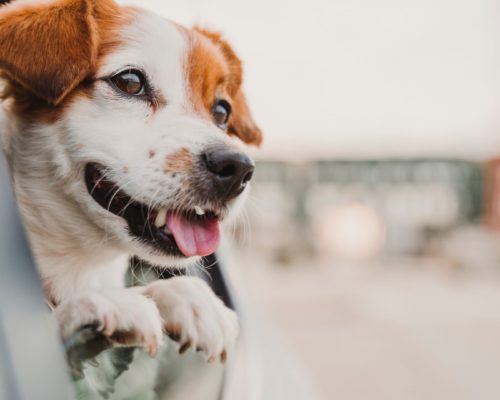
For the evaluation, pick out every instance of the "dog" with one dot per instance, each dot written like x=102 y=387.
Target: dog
x=124 y=135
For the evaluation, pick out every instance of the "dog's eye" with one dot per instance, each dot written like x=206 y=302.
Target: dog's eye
x=130 y=81
x=221 y=112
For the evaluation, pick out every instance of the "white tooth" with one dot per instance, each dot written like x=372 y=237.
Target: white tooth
x=161 y=218
x=167 y=231
x=198 y=210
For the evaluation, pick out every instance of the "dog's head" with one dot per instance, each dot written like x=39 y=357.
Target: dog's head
x=147 y=114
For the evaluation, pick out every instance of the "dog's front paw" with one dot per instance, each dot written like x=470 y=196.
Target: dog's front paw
x=194 y=316
x=124 y=317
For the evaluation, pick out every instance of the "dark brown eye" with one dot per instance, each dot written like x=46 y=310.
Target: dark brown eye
x=130 y=81
x=221 y=112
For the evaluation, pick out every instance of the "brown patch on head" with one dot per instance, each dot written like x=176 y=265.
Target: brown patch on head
x=214 y=72
x=50 y=52
x=206 y=73
x=151 y=153
x=180 y=161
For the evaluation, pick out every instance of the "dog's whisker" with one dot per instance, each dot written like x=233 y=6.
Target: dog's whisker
x=152 y=205
x=97 y=183
x=144 y=274
x=118 y=189
x=124 y=185
x=246 y=227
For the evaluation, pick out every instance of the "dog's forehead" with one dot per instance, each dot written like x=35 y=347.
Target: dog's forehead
x=179 y=61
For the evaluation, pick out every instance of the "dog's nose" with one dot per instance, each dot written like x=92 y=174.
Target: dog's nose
x=230 y=169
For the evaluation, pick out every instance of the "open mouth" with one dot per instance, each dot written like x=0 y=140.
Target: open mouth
x=181 y=233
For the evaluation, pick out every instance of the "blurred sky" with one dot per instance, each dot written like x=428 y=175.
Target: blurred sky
x=363 y=78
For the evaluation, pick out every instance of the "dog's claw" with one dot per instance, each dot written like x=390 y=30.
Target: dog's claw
x=153 y=349
x=184 y=347
x=77 y=373
x=175 y=337
x=109 y=325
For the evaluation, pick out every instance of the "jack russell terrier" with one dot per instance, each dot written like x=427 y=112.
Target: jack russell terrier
x=123 y=134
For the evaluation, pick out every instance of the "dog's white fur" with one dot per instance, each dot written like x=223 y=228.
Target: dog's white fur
x=82 y=250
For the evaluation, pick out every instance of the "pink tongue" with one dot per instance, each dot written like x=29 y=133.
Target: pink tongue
x=194 y=237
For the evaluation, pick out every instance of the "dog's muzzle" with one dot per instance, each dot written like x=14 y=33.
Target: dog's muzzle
x=190 y=228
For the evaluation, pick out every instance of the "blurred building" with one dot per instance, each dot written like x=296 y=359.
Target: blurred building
x=359 y=209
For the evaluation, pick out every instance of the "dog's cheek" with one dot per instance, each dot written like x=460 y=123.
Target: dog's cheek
x=49 y=140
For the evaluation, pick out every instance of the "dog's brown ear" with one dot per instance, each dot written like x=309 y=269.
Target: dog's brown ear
x=48 y=49
x=241 y=123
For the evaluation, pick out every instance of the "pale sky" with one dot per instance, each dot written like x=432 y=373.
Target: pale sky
x=363 y=78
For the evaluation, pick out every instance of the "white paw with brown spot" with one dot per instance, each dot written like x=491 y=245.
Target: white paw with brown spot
x=126 y=317
x=194 y=316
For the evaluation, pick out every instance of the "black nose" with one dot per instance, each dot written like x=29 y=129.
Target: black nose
x=230 y=170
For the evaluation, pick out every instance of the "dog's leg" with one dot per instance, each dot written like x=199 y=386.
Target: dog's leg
x=123 y=316
x=194 y=316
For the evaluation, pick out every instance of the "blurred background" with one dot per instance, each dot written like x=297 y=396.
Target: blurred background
x=371 y=242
